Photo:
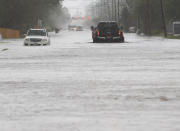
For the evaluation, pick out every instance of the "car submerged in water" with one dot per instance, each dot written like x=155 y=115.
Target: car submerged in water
x=107 y=31
x=37 y=37
x=75 y=28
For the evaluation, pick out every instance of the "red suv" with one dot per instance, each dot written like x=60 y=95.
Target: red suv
x=107 y=31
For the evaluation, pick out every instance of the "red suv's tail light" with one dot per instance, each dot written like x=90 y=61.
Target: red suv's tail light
x=98 y=32
x=120 y=33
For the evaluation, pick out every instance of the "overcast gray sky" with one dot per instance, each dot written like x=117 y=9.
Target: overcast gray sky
x=75 y=6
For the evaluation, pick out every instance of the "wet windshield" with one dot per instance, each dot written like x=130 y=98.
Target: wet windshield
x=108 y=25
x=36 y=33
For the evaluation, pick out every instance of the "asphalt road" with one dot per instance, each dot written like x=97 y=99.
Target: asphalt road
x=75 y=85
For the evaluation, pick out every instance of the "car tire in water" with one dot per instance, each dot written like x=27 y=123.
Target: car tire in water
x=122 y=40
x=95 y=40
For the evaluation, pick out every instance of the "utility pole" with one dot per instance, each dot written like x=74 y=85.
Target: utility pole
x=163 y=18
x=101 y=11
x=149 y=28
x=105 y=11
x=98 y=10
x=112 y=10
x=109 y=10
x=118 y=11
x=115 y=14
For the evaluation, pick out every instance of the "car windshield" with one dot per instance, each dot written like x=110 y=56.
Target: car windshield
x=36 y=33
x=112 y=25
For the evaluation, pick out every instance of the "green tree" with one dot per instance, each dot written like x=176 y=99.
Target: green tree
x=24 y=14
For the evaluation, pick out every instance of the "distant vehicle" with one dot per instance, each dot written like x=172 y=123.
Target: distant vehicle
x=57 y=30
x=176 y=28
x=132 y=29
x=79 y=28
x=71 y=27
x=37 y=37
x=107 y=31
x=75 y=28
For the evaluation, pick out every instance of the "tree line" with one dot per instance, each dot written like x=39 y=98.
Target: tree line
x=24 y=14
x=146 y=15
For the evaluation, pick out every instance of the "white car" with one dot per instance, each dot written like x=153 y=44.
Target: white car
x=37 y=37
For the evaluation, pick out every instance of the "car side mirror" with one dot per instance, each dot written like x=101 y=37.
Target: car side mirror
x=92 y=28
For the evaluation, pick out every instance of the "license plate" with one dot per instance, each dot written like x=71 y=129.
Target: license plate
x=109 y=37
x=37 y=44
